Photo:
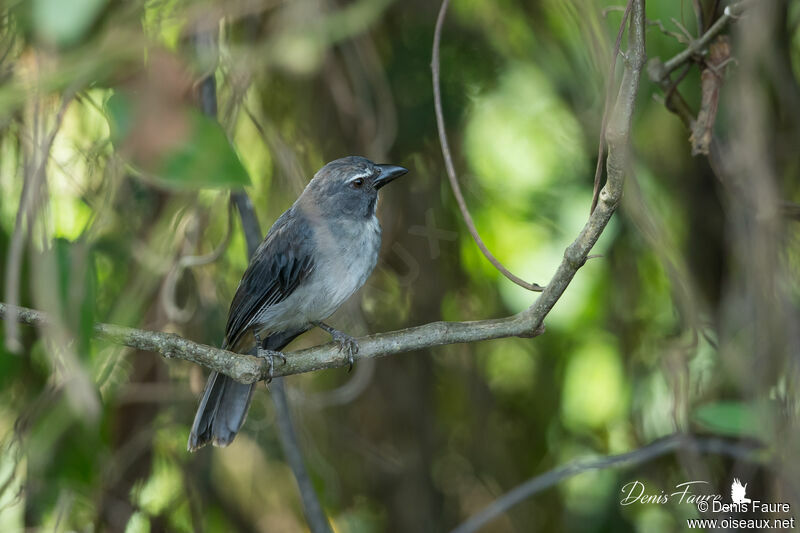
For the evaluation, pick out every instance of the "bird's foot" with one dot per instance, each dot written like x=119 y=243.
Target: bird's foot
x=346 y=343
x=269 y=356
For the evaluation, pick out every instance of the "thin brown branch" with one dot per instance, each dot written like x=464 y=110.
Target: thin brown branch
x=448 y=160
x=249 y=369
x=637 y=457
x=601 y=144
x=245 y=368
x=675 y=35
x=711 y=85
x=659 y=71
x=686 y=33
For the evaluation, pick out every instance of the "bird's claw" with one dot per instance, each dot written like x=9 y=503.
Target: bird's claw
x=345 y=342
x=348 y=343
x=269 y=356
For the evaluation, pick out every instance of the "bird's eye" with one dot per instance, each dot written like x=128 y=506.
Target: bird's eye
x=357 y=183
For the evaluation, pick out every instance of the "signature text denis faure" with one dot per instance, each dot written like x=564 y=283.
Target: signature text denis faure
x=686 y=492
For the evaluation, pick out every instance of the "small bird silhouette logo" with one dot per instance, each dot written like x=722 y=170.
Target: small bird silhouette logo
x=737 y=492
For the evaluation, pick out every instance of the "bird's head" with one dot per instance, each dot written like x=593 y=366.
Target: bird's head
x=349 y=186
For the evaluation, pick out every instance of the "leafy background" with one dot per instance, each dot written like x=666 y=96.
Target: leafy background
x=648 y=340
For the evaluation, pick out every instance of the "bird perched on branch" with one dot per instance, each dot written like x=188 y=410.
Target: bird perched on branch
x=315 y=256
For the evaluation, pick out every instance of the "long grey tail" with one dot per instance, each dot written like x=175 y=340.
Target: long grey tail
x=225 y=402
x=221 y=412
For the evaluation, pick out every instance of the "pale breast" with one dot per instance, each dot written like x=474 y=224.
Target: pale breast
x=346 y=254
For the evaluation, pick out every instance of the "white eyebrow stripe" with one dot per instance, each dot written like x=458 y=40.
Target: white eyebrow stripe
x=364 y=174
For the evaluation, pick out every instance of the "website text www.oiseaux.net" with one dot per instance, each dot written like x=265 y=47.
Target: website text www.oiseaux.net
x=740 y=523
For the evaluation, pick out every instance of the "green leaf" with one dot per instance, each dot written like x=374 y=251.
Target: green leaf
x=728 y=418
x=64 y=22
x=206 y=160
x=119 y=113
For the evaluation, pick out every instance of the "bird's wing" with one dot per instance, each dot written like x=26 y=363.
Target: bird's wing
x=279 y=265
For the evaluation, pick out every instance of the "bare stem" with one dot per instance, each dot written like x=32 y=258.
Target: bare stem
x=448 y=161
x=601 y=144
x=661 y=71
x=642 y=455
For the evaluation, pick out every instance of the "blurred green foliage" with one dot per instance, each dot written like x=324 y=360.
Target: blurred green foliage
x=203 y=158
x=644 y=342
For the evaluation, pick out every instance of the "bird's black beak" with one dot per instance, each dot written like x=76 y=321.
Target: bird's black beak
x=388 y=174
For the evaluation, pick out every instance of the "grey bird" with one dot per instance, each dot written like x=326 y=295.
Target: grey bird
x=316 y=255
